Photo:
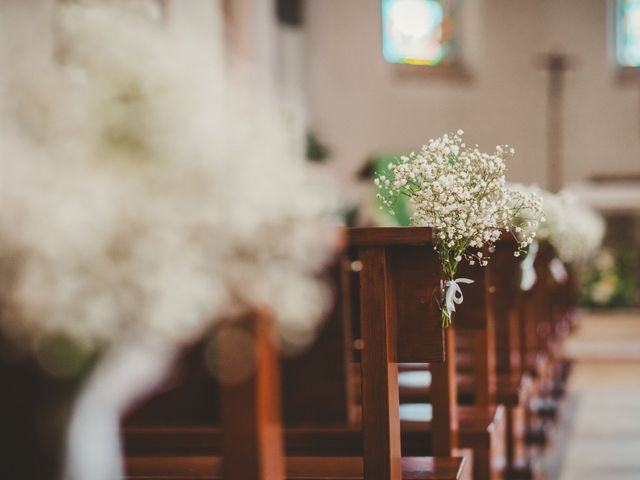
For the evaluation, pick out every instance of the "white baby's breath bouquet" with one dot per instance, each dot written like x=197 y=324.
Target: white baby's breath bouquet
x=145 y=196
x=462 y=194
x=573 y=229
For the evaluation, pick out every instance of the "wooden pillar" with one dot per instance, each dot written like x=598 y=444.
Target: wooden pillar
x=556 y=64
x=445 y=399
x=380 y=395
x=252 y=432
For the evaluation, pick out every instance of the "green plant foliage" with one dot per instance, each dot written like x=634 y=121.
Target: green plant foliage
x=610 y=282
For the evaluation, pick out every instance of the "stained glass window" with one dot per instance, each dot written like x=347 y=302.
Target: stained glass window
x=628 y=33
x=416 y=32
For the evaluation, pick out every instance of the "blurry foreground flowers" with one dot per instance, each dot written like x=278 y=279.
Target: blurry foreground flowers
x=143 y=188
x=146 y=194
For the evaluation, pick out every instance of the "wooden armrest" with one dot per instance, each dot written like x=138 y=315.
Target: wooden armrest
x=388 y=236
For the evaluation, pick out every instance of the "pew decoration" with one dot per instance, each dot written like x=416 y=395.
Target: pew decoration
x=573 y=229
x=527 y=266
x=146 y=195
x=462 y=194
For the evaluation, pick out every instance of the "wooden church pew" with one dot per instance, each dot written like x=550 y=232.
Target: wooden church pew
x=537 y=314
x=251 y=435
x=547 y=308
x=514 y=385
x=501 y=370
x=565 y=300
x=396 y=282
x=336 y=435
x=34 y=407
x=546 y=313
x=185 y=416
x=414 y=276
x=380 y=291
x=478 y=424
x=498 y=383
x=481 y=426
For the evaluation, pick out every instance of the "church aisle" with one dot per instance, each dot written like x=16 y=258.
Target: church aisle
x=605 y=438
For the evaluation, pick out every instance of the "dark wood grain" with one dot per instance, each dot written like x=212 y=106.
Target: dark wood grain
x=188 y=397
x=509 y=390
x=504 y=284
x=414 y=275
x=34 y=409
x=445 y=423
x=380 y=398
x=251 y=427
x=298 y=468
x=338 y=441
x=472 y=312
x=388 y=236
x=398 y=274
x=536 y=308
x=315 y=383
x=475 y=319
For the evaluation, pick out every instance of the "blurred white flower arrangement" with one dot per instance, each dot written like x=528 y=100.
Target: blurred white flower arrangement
x=573 y=229
x=462 y=194
x=141 y=187
x=145 y=194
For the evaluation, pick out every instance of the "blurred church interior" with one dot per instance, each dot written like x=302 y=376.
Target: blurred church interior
x=540 y=383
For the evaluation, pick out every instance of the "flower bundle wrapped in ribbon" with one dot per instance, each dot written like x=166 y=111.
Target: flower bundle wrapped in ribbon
x=462 y=194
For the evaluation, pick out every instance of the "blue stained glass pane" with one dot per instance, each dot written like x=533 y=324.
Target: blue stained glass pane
x=628 y=33
x=412 y=31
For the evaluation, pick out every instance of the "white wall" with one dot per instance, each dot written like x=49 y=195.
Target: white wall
x=26 y=27
x=358 y=105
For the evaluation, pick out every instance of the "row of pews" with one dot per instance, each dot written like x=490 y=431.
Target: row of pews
x=384 y=392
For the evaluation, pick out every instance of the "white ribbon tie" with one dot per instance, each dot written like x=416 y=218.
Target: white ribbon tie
x=454 y=293
x=558 y=270
x=529 y=275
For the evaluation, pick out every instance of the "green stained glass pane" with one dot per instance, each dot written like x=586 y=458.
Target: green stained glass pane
x=628 y=33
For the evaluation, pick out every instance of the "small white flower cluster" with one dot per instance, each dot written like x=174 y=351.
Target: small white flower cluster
x=528 y=212
x=574 y=230
x=528 y=215
x=461 y=192
x=143 y=188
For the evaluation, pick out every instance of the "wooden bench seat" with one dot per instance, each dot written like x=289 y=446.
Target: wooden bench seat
x=297 y=468
x=512 y=389
x=415 y=387
x=390 y=293
x=401 y=277
x=476 y=428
